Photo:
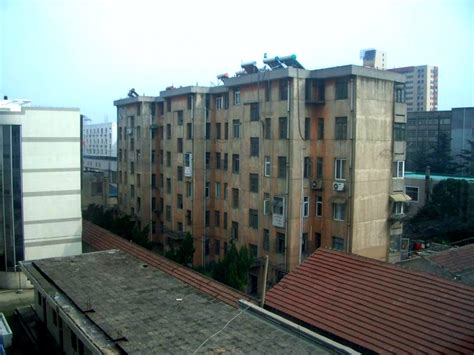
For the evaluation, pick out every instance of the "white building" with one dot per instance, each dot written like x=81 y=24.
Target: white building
x=100 y=149
x=374 y=58
x=40 y=185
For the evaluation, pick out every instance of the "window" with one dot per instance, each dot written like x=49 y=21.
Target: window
x=339 y=169
x=266 y=240
x=280 y=243
x=208 y=130
x=268 y=90
x=138 y=132
x=225 y=191
x=234 y=230
x=237 y=97
x=341 y=89
x=208 y=160
x=399 y=132
x=319 y=167
x=307 y=128
x=168 y=213
x=254 y=146
x=320 y=128
x=253 y=218
x=207 y=246
x=218 y=190
x=235 y=198
x=179 y=143
x=266 y=204
x=189 y=102
x=398 y=169
x=218 y=130
x=317 y=240
x=161 y=156
x=219 y=102
x=218 y=160
x=412 y=192
x=236 y=129
x=226 y=160
x=189 y=131
x=319 y=206
x=180 y=117
x=206 y=191
x=304 y=244
x=339 y=211
x=168 y=185
x=235 y=163
x=283 y=89
x=132 y=167
x=307 y=167
x=254 y=111
x=283 y=128
x=168 y=158
x=168 y=131
x=139 y=180
x=337 y=243
x=226 y=101
x=400 y=94
x=267 y=171
x=189 y=189
x=217 y=218
x=226 y=130
x=179 y=201
x=398 y=208
x=305 y=206
x=217 y=247
x=153 y=156
x=120 y=155
x=253 y=182
x=282 y=167
x=341 y=128
x=225 y=220
x=207 y=218
x=268 y=128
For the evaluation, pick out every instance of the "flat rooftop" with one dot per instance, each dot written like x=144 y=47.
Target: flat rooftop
x=123 y=304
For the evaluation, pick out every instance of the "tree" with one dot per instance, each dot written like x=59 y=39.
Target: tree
x=466 y=157
x=438 y=157
x=184 y=254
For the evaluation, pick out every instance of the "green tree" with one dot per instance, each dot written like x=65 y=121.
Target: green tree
x=184 y=254
x=438 y=157
x=466 y=157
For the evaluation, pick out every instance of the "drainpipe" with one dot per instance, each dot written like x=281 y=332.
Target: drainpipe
x=350 y=229
x=288 y=185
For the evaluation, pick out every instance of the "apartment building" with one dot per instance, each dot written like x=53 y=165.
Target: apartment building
x=99 y=151
x=374 y=58
x=421 y=87
x=283 y=160
x=40 y=185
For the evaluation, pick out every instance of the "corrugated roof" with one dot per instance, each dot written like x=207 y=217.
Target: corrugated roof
x=102 y=239
x=455 y=260
x=376 y=305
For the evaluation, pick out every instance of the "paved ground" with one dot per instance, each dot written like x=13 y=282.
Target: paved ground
x=9 y=300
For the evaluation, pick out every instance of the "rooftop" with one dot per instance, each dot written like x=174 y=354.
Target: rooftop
x=436 y=177
x=377 y=306
x=122 y=304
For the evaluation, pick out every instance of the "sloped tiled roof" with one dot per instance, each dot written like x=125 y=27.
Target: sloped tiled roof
x=102 y=239
x=456 y=260
x=377 y=306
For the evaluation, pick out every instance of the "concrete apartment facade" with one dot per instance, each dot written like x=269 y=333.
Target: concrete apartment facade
x=424 y=129
x=100 y=149
x=40 y=186
x=421 y=87
x=284 y=161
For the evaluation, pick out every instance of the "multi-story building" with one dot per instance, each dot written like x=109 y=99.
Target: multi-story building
x=421 y=92
x=425 y=128
x=40 y=185
x=100 y=149
x=374 y=58
x=283 y=160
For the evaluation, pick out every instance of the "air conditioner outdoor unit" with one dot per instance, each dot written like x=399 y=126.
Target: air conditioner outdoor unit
x=129 y=131
x=317 y=184
x=338 y=186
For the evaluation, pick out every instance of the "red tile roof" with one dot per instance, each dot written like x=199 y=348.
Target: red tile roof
x=102 y=239
x=455 y=260
x=377 y=306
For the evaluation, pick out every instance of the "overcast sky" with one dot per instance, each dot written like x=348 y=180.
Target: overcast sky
x=86 y=53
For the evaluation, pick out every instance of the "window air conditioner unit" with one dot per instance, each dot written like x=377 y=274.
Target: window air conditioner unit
x=338 y=186
x=317 y=184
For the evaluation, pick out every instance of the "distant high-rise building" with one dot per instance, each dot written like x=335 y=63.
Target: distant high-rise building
x=374 y=58
x=40 y=185
x=421 y=87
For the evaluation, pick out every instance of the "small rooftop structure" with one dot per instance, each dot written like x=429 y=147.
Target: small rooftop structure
x=377 y=306
x=13 y=105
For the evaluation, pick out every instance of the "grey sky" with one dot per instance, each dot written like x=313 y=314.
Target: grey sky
x=87 y=53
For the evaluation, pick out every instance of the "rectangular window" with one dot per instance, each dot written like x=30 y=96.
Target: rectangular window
x=179 y=143
x=253 y=218
x=307 y=128
x=266 y=240
x=208 y=160
x=168 y=213
x=305 y=206
x=225 y=220
x=282 y=167
x=317 y=240
x=234 y=230
x=162 y=181
x=319 y=206
x=226 y=161
x=236 y=129
x=189 y=102
x=189 y=131
x=138 y=155
x=161 y=157
x=237 y=97
x=139 y=180
x=412 y=192
x=304 y=243
x=337 y=243
x=253 y=182
x=268 y=128
x=280 y=243
x=398 y=169
x=218 y=130
x=218 y=160
x=206 y=190
x=217 y=218
x=189 y=218
x=189 y=189
x=235 y=163
x=319 y=167
x=179 y=201
x=179 y=171
x=320 y=128
x=168 y=158
x=208 y=130
x=398 y=208
x=218 y=189
x=399 y=132
x=226 y=130
x=341 y=128
x=341 y=89
x=254 y=146
x=268 y=166
x=307 y=167
x=254 y=111
x=132 y=167
x=283 y=89
x=225 y=191
x=266 y=204
x=180 y=117
x=207 y=219
x=268 y=90
x=339 y=211
x=153 y=156
x=339 y=169
x=217 y=247
x=235 y=198
x=219 y=103
x=168 y=131
x=283 y=128
x=168 y=185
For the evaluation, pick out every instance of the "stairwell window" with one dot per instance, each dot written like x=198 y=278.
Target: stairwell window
x=339 y=169
x=268 y=166
x=305 y=206
x=399 y=132
x=341 y=89
x=254 y=111
x=398 y=169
